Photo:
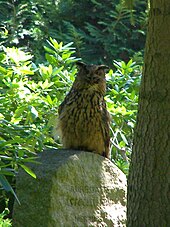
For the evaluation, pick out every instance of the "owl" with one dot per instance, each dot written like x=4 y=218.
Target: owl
x=83 y=120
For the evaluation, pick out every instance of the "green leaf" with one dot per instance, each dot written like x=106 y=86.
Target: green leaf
x=34 y=112
x=32 y=160
x=133 y=94
x=124 y=138
x=26 y=71
x=51 y=59
x=122 y=144
x=28 y=170
x=49 y=50
x=17 y=117
x=7 y=187
x=7 y=172
x=57 y=70
x=5 y=157
x=129 y=64
x=1 y=116
x=3 y=70
x=68 y=45
x=50 y=101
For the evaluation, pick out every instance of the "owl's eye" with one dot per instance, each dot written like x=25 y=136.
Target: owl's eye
x=100 y=72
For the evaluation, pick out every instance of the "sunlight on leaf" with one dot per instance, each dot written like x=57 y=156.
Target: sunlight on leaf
x=17 y=55
x=28 y=170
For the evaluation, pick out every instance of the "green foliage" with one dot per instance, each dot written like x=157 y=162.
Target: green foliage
x=29 y=98
x=24 y=24
x=33 y=85
x=5 y=222
x=122 y=101
x=104 y=31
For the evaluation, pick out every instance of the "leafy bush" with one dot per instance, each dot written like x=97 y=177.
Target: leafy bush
x=24 y=24
x=30 y=95
x=29 y=98
x=122 y=102
x=5 y=222
x=104 y=31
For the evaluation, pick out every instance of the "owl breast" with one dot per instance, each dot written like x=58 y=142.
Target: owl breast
x=83 y=121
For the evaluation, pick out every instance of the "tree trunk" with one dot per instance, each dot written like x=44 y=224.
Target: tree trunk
x=149 y=177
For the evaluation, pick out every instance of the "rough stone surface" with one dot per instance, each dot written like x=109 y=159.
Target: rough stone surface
x=72 y=188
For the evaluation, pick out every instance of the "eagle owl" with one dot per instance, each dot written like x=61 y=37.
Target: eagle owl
x=83 y=121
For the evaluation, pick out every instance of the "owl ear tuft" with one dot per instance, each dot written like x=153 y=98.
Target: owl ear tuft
x=81 y=64
x=104 y=67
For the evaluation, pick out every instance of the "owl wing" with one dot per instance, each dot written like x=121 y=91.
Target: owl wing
x=69 y=99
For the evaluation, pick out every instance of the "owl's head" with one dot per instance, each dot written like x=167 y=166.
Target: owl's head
x=91 y=74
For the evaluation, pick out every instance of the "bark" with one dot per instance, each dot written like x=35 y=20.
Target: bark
x=149 y=177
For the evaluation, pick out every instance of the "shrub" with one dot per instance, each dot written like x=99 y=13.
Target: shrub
x=104 y=31
x=30 y=95
x=122 y=101
x=5 y=222
x=29 y=98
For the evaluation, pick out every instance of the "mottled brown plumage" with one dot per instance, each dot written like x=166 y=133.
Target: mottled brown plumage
x=83 y=121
